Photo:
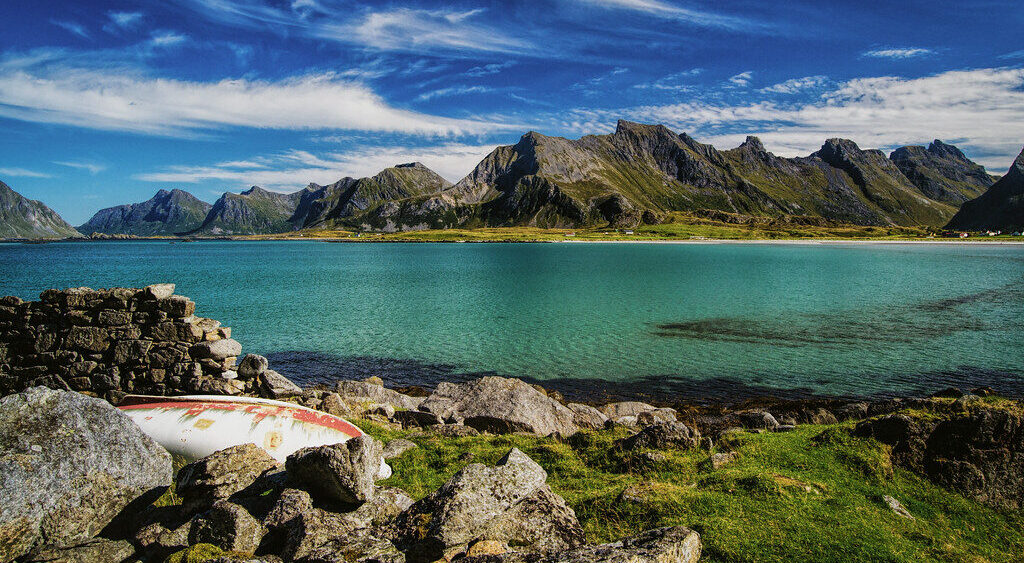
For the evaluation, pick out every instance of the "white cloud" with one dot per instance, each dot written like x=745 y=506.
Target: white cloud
x=795 y=85
x=118 y=99
x=72 y=27
x=453 y=91
x=666 y=10
x=406 y=29
x=488 y=69
x=397 y=29
x=741 y=79
x=984 y=108
x=124 y=20
x=23 y=173
x=167 y=39
x=92 y=168
x=898 y=53
x=291 y=170
x=674 y=81
x=1013 y=55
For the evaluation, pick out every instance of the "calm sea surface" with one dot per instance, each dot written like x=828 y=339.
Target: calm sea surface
x=715 y=320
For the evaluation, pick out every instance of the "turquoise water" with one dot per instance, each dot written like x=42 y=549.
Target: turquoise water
x=697 y=319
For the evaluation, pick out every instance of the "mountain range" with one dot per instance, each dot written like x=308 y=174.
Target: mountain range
x=638 y=174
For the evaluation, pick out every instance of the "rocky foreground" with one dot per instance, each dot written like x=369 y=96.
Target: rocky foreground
x=492 y=470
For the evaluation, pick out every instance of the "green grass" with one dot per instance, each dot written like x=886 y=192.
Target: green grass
x=814 y=494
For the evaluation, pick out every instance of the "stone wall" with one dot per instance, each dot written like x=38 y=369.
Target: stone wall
x=111 y=342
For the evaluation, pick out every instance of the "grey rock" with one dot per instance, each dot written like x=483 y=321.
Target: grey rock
x=663 y=545
x=222 y=474
x=278 y=386
x=852 y=411
x=218 y=350
x=68 y=465
x=342 y=472
x=656 y=416
x=159 y=290
x=662 y=436
x=397 y=447
x=542 y=521
x=466 y=505
x=757 y=420
x=227 y=526
x=500 y=405
x=896 y=507
x=586 y=416
x=252 y=366
x=362 y=391
x=97 y=550
x=332 y=403
x=625 y=408
x=289 y=505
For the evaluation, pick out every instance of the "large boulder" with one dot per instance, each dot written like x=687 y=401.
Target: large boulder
x=500 y=405
x=69 y=464
x=662 y=436
x=586 y=416
x=625 y=408
x=372 y=393
x=227 y=526
x=342 y=472
x=221 y=475
x=663 y=545
x=979 y=453
x=507 y=502
x=277 y=386
x=218 y=350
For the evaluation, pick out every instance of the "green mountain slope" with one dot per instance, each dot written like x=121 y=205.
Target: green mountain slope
x=21 y=217
x=166 y=213
x=254 y=211
x=1001 y=208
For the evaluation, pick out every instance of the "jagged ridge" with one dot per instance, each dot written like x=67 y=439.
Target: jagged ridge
x=21 y=217
x=166 y=213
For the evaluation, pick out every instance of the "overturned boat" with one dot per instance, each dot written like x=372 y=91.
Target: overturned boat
x=195 y=426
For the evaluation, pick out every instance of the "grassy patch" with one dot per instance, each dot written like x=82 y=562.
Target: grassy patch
x=814 y=494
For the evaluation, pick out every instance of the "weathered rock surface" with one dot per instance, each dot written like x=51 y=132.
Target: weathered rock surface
x=397 y=447
x=68 y=465
x=662 y=545
x=341 y=472
x=278 y=386
x=97 y=550
x=586 y=416
x=482 y=502
x=365 y=392
x=979 y=453
x=661 y=436
x=500 y=405
x=202 y=483
x=625 y=408
x=227 y=526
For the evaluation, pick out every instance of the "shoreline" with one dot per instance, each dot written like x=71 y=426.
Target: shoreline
x=693 y=241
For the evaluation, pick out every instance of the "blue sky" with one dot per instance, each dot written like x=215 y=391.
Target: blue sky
x=103 y=103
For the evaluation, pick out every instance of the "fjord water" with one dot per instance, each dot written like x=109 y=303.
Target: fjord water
x=643 y=319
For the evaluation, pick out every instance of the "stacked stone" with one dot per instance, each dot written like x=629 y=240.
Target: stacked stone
x=110 y=342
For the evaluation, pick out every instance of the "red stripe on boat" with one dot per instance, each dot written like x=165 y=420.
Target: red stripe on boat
x=259 y=412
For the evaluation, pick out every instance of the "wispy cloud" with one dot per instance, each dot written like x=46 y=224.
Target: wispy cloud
x=394 y=29
x=123 y=100
x=72 y=27
x=898 y=53
x=290 y=170
x=666 y=10
x=676 y=81
x=795 y=85
x=23 y=173
x=1013 y=55
x=742 y=79
x=122 y=20
x=983 y=107
x=489 y=69
x=167 y=38
x=92 y=168
x=454 y=91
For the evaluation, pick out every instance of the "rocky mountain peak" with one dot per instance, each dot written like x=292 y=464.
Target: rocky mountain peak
x=939 y=148
x=411 y=165
x=837 y=148
x=753 y=143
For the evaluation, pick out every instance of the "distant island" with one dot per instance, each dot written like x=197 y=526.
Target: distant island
x=642 y=181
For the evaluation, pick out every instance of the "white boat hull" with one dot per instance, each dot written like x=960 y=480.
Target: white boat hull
x=195 y=426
